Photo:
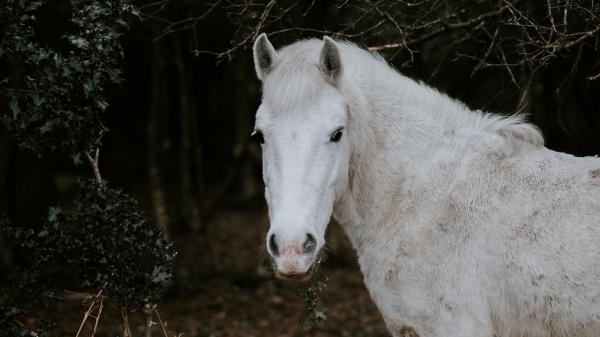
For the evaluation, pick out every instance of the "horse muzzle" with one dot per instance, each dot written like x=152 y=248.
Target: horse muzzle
x=292 y=258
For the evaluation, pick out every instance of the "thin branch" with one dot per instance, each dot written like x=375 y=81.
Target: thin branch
x=483 y=60
x=593 y=77
x=556 y=46
x=94 y=162
x=148 y=310
x=100 y=307
x=95 y=299
x=444 y=28
x=161 y=323
x=125 y=322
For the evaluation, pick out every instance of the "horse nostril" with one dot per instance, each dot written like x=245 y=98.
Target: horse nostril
x=310 y=244
x=273 y=245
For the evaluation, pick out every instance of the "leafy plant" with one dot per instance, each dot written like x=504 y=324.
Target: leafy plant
x=58 y=106
x=104 y=244
x=313 y=313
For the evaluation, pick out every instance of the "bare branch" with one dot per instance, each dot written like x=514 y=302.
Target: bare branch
x=94 y=162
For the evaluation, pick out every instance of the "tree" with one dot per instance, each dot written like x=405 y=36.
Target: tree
x=56 y=105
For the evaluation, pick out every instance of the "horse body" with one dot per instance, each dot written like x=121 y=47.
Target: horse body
x=463 y=222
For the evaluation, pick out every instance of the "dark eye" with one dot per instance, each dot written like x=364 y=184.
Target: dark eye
x=257 y=136
x=337 y=135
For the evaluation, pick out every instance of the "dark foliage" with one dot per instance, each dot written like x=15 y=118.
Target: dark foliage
x=58 y=105
x=29 y=287
x=103 y=244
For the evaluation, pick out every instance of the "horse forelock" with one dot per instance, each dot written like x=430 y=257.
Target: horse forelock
x=295 y=79
x=292 y=91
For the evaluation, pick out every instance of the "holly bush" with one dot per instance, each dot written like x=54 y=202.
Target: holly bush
x=57 y=106
x=53 y=106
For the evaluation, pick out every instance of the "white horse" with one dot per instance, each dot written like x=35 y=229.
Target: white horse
x=465 y=225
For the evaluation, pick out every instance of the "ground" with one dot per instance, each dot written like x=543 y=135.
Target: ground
x=231 y=292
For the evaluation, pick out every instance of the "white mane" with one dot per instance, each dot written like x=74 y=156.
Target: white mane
x=299 y=61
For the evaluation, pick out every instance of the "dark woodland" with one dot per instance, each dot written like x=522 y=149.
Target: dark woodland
x=131 y=195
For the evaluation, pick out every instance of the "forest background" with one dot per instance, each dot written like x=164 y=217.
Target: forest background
x=130 y=188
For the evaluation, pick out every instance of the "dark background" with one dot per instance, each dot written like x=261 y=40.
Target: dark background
x=181 y=119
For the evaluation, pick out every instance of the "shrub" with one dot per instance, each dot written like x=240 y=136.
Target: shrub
x=104 y=244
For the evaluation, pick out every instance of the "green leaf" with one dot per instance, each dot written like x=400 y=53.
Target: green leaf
x=53 y=213
x=47 y=127
x=320 y=316
x=102 y=104
x=13 y=104
x=76 y=157
x=159 y=276
x=79 y=42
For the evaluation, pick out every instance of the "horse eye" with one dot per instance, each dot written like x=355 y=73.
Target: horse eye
x=257 y=136
x=336 y=135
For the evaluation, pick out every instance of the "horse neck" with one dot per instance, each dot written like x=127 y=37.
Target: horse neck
x=394 y=124
x=398 y=129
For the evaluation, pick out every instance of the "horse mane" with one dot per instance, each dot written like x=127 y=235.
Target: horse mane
x=301 y=58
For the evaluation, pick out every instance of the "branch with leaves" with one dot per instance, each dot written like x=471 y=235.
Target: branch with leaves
x=105 y=241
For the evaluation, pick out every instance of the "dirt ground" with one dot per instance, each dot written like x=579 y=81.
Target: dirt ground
x=231 y=292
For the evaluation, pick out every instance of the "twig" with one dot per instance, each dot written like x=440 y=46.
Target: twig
x=482 y=62
x=551 y=16
x=386 y=46
x=86 y=314
x=565 y=17
x=161 y=323
x=444 y=28
x=593 y=77
x=95 y=299
x=148 y=310
x=98 y=316
x=585 y=35
x=263 y=18
x=94 y=162
x=125 y=322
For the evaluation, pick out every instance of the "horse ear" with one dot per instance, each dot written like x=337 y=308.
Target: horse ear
x=330 y=61
x=264 y=56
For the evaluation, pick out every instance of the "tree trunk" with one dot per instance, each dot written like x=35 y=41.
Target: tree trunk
x=244 y=112
x=152 y=139
x=5 y=253
x=190 y=206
